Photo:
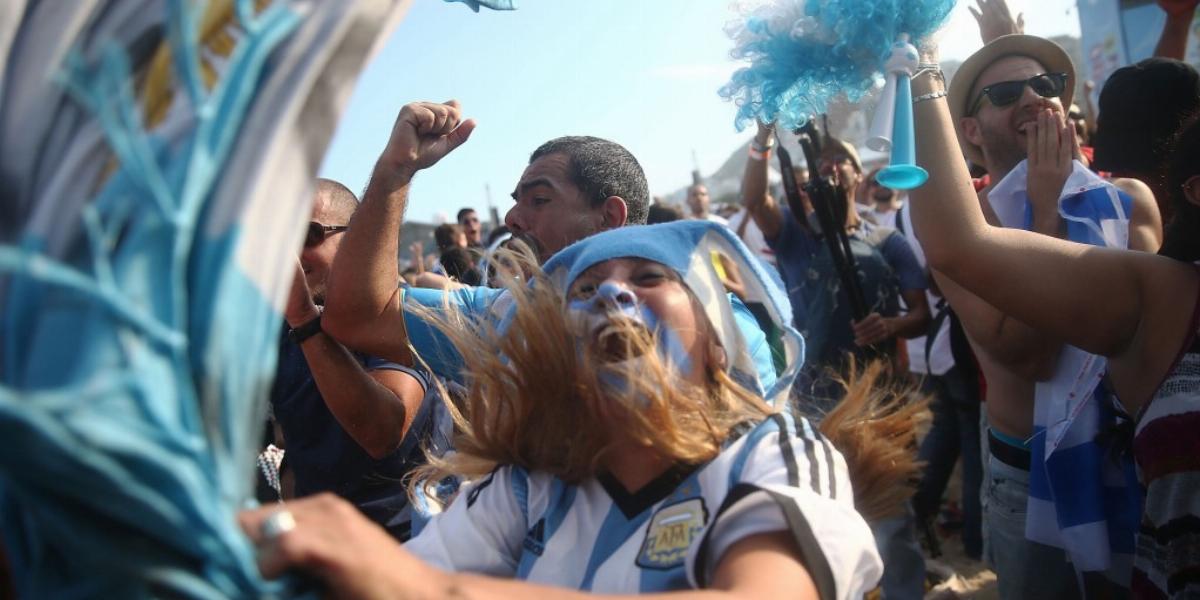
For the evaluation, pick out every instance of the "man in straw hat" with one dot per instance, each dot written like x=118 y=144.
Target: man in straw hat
x=1008 y=103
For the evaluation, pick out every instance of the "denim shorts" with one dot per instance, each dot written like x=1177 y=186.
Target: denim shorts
x=1025 y=570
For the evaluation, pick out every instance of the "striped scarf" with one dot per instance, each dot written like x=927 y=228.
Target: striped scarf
x=1083 y=494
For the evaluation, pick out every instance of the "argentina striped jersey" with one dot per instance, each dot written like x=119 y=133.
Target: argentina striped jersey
x=780 y=475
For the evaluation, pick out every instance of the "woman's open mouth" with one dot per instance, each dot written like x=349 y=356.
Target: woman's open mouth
x=620 y=339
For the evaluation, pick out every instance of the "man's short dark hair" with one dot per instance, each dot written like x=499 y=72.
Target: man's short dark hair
x=462 y=212
x=445 y=233
x=600 y=168
x=342 y=201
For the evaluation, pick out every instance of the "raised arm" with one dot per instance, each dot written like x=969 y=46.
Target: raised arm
x=995 y=19
x=1172 y=42
x=363 y=304
x=1016 y=346
x=759 y=204
x=1048 y=283
x=374 y=407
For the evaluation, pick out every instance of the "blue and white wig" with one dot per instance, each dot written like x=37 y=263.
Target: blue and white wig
x=804 y=53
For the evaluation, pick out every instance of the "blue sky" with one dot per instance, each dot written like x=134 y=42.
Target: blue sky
x=643 y=73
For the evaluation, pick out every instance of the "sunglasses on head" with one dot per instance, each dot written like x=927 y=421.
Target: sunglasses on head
x=1046 y=85
x=318 y=232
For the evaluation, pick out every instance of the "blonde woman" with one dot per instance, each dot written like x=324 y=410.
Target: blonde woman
x=616 y=447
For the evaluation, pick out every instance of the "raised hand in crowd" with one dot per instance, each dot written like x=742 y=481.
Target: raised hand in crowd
x=1173 y=41
x=995 y=19
x=424 y=132
x=363 y=306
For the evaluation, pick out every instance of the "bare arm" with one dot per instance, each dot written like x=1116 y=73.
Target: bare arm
x=1145 y=224
x=1048 y=283
x=759 y=204
x=1172 y=43
x=875 y=328
x=915 y=322
x=417 y=250
x=356 y=559
x=374 y=408
x=1018 y=347
x=1030 y=354
x=363 y=303
x=738 y=576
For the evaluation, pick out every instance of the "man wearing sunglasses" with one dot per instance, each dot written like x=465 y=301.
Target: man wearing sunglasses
x=352 y=424
x=1008 y=103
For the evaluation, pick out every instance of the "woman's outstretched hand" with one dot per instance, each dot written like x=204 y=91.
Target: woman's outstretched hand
x=326 y=537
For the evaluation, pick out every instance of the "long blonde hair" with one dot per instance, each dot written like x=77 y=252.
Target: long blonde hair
x=875 y=427
x=538 y=398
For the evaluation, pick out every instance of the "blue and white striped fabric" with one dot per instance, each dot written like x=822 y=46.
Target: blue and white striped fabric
x=687 y=247
x=1083 y=496
x=141 y=302
x=595 y=536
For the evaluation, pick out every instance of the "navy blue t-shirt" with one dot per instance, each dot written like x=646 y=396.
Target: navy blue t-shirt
x=794 y=250
x=325 y=458
x=886 y=266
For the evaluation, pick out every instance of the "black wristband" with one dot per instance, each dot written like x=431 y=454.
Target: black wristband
x=298 y=334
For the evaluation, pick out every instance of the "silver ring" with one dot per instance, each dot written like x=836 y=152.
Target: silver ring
x=277 y=524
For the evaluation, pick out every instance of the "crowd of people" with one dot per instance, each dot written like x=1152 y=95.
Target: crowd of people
x=609 y=394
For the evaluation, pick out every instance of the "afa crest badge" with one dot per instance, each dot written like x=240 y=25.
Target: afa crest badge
x=671 y=533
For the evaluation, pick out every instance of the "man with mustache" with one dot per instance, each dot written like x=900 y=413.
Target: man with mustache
x=573 y=187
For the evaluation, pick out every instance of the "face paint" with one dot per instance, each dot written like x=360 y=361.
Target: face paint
x=614 y=306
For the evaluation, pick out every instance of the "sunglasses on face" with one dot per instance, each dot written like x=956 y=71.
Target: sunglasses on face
x=1046 y=85
x=318 y=232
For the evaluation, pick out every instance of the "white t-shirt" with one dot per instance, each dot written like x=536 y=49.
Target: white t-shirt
x=596 y=536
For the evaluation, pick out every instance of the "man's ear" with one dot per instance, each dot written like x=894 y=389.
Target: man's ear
x=1191 y=190
x=971 y=130
x=615 y=212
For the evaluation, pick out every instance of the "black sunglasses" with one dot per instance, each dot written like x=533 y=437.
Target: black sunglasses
x=318 y=232
x=1046 y=85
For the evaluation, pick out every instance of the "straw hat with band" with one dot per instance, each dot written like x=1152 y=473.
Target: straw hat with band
x=1050 y=55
